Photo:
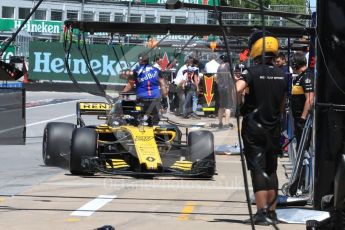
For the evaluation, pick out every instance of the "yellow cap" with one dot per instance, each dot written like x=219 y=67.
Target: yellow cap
x=271 y=46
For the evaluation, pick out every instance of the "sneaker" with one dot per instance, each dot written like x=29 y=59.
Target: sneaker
x=272 y=215
x=193 y=115
x=214 y=125
x=229 y=126
x=259 y=218
x=220 y=125
x=186 y=116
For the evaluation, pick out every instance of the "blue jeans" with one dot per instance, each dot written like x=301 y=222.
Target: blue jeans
x=181 y=100
x=195 y=102
x=188 y=103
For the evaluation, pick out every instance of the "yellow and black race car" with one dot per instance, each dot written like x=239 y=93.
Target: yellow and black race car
x=125 y=145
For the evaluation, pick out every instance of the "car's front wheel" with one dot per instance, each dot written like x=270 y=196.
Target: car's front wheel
x=84 y=145
x=201 y=153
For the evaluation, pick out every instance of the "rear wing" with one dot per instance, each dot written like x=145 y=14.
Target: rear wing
x=100 y=109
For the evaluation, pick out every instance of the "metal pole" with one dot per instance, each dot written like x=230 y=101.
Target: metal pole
x=129 y=11
x=82 y=10
x=14 y=35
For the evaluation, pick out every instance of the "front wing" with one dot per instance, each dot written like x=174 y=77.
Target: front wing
x=202 y=168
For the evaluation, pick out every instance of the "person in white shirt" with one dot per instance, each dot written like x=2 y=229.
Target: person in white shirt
x=181 y=71
x=212 y=65
x=158 y=63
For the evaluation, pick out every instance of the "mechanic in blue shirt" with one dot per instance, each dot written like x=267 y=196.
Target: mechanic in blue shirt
x=149 y=86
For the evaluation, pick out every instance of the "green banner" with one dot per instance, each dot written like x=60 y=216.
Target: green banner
x=34 y=26
x=10 y=51
x=46 y=61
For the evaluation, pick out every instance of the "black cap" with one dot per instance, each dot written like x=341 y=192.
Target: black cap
x=256 y=35
x=240 y=67
x=143 y=57
x=224 y=58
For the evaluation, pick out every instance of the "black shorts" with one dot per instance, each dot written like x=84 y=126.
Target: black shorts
x=151 y=108
x=261 y=146
x=224 y=98
x=172 y=88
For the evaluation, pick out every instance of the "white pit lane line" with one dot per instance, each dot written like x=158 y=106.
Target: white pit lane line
x=89 y=208
x=36 y=123
x=59 y=103
x=53 y=119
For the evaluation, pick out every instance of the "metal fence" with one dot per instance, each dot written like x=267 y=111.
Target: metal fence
x=230 y=18
x=22 y=43
x=156 y=14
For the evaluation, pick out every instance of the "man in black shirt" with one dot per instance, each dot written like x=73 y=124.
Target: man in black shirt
x=302 y=94
x=261 y=123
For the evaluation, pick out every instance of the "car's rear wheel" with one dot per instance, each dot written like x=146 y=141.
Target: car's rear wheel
x=84 y=145
x=201 y=153
x=56 y=143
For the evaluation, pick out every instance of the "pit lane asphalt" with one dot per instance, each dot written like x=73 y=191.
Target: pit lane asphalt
x=33 y=196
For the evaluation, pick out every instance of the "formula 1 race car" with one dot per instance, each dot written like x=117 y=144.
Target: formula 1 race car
x=125 y=145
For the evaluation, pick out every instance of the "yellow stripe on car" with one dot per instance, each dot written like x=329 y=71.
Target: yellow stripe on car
x=117 y=163
x=183 y=165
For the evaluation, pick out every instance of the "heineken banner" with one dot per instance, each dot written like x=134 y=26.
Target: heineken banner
x=46 y=61
x=33 y=26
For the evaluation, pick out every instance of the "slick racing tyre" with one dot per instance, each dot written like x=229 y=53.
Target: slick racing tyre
x=201 y=153
x=56 y=143
x=84 y=145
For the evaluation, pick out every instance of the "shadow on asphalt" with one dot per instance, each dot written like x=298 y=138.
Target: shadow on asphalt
x=228 y=220
x=132 y=198
x=12 y=209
